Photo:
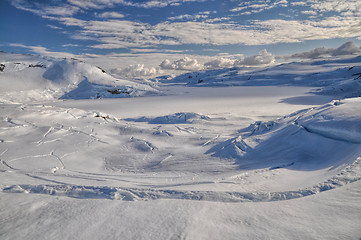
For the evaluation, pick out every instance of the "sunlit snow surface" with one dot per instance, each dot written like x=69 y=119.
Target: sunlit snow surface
x=220 y=143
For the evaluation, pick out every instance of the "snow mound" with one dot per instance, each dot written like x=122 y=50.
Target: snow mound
x=232 y=148
x=259 y=127
x=176 y=118
x=340 y=120
x=32 y=78
x=310 y=139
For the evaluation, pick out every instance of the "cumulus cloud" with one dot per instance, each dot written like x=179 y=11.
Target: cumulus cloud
x=347 y=48
x=263 y=58
x=185 y=64
x=219 y=63
x=137 y=70
x=314 y=53
x=188 y=64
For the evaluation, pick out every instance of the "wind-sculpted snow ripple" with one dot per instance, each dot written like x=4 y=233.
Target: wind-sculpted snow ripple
x=350 y=174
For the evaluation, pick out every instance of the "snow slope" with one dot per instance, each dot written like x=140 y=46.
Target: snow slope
x=25 y=78
x=333 y=76
x=199 y=163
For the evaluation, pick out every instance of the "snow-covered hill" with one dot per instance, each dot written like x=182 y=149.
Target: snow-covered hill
x=25 y=78
x=339 y=77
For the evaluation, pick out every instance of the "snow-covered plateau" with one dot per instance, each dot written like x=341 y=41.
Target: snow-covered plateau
x=236 y=153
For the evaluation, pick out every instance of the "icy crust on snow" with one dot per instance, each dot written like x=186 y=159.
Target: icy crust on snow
x=336 y=77
x=27 y=78
x=300 y=139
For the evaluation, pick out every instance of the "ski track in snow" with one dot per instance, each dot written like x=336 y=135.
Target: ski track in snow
x=348 y=175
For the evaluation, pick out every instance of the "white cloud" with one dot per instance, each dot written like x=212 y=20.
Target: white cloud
x=295 y=3
x=219 y=63
x=263 y=58
x=188 y=64
x=101 y=4
x=72 y=7
x=113 y=34
x=44 y=9
x=203 y=33
x=53 y=27
x=143 y=50
x=185 y=64
x=198 y=28
x=152 y=4
x=70 y=21
x=66 y=10
x=110 y=15
x=137 y=70
x=123 y=60
x=116 y=33
x=198 y=16
x=189 y=17
x=44 y=51
x=309 y=12
x=213 y=20
x=128 y=64
x=336 y=6
x=314 y=53
x=70 y=45
x=348 y=48
x=238 y=9
x=93 y=4
x=159 y=3
x=258 y=6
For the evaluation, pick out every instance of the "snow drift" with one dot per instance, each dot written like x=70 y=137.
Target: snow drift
x=310 y=139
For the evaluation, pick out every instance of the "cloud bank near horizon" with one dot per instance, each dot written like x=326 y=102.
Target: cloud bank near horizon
x=348 y=48
x=193 y=63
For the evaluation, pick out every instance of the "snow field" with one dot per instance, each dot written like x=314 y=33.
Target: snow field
x=197 y=161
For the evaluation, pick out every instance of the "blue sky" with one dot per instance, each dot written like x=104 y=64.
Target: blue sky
x=156 y=30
